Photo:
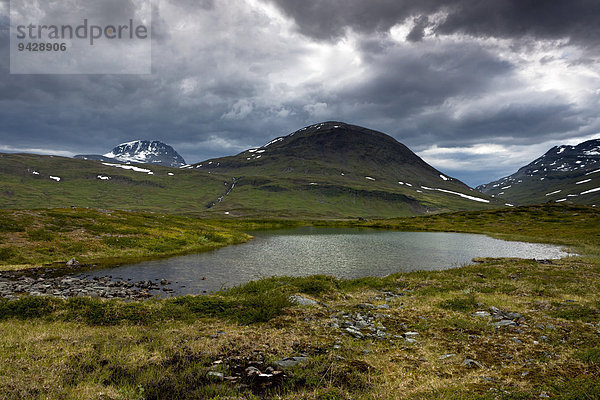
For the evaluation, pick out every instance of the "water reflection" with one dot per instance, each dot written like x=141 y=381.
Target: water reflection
x=341 y=252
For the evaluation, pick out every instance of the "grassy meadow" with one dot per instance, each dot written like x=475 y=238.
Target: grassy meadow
x=35 y=238
x=434 y=347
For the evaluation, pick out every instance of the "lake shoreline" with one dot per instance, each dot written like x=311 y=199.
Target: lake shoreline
x=64 y=285
x=496 y=328
x=529 y=328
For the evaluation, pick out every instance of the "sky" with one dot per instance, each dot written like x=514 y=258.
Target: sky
x=476 y=88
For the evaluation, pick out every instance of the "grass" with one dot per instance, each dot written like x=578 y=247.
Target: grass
x=165 y=348
x=33 y=238
x=87 y=348
x=282 y=188
x=241 y=305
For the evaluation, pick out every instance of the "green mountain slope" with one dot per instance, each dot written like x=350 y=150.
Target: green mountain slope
x=329 y=170
x=340 y=170
x=25 y=182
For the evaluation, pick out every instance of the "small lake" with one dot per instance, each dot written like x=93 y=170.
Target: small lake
x=341 y=252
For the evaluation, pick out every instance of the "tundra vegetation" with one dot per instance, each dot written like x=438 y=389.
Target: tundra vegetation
x=498 y=328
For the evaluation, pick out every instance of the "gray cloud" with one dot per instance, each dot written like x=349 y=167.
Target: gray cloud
x=228 y=75
x=578 y=20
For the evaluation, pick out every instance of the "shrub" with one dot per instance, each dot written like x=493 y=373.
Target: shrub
x=589 y=355
x=40 y=235
x=27 y=307
x=465 y=303
x=575 y=312
x=6 y=253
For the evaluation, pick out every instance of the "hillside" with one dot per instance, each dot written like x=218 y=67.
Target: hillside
x=33 y=181
x=329 y=170
x=563 y=174
x=334 y=166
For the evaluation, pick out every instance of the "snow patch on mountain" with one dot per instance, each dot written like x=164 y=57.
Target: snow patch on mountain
x=140 y=152
x=129 y=167
x=464 y=196
x=146 y=152
x=591 y=191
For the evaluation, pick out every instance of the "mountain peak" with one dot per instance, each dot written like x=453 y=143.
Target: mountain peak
x=332 y=160
x=141 y=151
x=339 y=141
x=563 y=173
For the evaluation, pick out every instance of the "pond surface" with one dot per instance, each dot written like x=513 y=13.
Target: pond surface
x=341 y=252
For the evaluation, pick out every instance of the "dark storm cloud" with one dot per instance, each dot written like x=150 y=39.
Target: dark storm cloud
x=578 y=20
x=412 y=92
x=328 y=19
x=405 y=80
x=518 y=124
x=228 y=76
x=418 y=31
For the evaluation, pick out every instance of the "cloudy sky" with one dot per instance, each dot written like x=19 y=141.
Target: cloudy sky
x=476 y=88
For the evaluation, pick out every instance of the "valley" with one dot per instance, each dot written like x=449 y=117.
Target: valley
x=328 y=170
x=482 y=327
x=528 y=327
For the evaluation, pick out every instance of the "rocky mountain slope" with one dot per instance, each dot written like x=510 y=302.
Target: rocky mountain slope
x=142 y=152
x=564 y=173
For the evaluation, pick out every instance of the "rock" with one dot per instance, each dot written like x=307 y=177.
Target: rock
x=252 y=372
x=411 y=334
x=517 y=340
x=512 y=315
x=410 y=341
x=215 y=375
x=366 y=306
x=505 y=322
x=482 y=314
x=383 y=307
x=471 y=363
x=303 y=301
x=360 y=324
x=289 y=362
x=355 y=333
x=444 y=356
x=73 y=263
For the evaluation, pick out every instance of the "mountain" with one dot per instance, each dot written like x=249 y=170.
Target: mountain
x=564 y=173
x=328 y=170
x=335 y=168
x=140 y=151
